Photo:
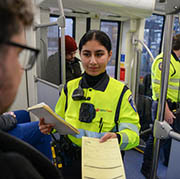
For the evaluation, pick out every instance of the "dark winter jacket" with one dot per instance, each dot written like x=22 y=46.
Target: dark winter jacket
x=73 y=69
x=53 y=69
x=7 y=122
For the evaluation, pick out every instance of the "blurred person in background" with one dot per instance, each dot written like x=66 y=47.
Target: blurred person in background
x=73 y=68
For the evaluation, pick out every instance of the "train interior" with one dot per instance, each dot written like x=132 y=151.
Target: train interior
x=136 y=29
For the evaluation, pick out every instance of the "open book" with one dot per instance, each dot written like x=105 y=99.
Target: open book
x=101 y=160
x=42 y=110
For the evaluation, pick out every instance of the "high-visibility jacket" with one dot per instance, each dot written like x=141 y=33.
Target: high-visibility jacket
x=105 y=97
x=173 y=79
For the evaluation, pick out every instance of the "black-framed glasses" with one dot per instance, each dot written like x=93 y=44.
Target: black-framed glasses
x=28 y=55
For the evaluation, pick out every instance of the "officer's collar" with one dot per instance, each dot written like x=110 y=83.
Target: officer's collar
x=175 y=56
x=101 y=85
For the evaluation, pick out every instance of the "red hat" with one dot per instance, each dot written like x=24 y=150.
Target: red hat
x=70 y=44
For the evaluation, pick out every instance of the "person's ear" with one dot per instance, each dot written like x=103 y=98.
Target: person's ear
x=110 y=55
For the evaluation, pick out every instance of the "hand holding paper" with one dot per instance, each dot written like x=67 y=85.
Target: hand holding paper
x=42 y=110
x=45 y=128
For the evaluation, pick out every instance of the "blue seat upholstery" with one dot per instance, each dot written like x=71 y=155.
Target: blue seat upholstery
x=29 y=132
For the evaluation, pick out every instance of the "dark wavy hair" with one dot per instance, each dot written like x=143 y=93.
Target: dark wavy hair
x=14 y=14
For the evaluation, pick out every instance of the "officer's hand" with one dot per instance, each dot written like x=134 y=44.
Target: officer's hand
x=169 y=116
x=108 y=135
x=45 y=128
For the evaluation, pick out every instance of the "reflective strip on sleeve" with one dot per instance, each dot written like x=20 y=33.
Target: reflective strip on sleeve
x=125 y=141
x=169 y=86
x=89 y=134
x=152 y=73
x=129 y=126
x=157 y=95
x=174 y=80
x=156 y=81
x=173 y=87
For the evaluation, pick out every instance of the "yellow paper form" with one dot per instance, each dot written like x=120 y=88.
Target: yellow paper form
x=101 y=160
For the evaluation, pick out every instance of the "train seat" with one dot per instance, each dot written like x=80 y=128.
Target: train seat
x=29 y=132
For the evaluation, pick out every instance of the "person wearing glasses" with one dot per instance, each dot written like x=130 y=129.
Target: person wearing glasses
x=26 y=130
x=18 y=123
x=73 y=69
x=17 y=158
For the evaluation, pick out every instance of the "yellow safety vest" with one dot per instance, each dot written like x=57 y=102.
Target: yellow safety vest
x=173 y=80
x=105 y=103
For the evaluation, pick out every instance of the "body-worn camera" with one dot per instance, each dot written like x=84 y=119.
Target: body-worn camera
x=78 y=94
x=87 y=112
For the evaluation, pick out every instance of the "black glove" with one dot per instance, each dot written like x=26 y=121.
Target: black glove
x=7 y=122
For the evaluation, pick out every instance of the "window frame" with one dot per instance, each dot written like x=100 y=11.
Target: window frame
x=117 y=43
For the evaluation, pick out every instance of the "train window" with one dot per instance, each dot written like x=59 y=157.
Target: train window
x=53 y=33
x=153 y=33
x=50 y=63
x=112 y=28
x=52 y=36
x=69 y=30
x=176 y=25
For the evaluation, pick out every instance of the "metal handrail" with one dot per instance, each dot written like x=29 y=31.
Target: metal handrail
x=146 y=47
x=61 y=23
x=36 y=79
x=163 y=86
x=62 y=26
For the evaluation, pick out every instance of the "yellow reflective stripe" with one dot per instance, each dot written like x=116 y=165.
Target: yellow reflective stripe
x=53 y=152
x=175 y=80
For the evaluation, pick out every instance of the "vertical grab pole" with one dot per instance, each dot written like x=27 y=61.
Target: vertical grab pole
x=137 y=76
x=163 y=87
x=27 y=88
x=62 y=26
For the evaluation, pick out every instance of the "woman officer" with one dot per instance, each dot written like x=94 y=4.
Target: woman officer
x=96 y=104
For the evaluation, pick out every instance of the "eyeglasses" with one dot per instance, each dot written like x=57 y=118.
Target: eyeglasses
x=28 y=55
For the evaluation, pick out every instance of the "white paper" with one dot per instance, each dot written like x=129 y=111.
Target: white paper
x=101 y=160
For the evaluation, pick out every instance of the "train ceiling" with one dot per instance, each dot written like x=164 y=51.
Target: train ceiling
x=117 y=8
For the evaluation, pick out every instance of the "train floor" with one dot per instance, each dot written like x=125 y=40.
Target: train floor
x=132 y=165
